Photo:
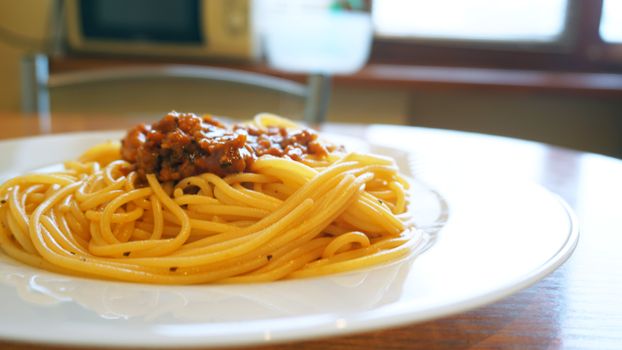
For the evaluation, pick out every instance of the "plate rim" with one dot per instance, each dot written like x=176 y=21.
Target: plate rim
x=395 y=319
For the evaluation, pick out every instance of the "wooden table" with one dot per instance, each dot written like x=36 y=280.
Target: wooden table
x=576 y=307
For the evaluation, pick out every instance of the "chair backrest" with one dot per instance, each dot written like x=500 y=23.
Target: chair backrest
x=160 y=88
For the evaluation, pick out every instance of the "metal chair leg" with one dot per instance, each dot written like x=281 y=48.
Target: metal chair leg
x=34 y=80
x=318 y=98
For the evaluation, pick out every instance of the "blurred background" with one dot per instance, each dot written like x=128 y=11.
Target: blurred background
x=545 y=70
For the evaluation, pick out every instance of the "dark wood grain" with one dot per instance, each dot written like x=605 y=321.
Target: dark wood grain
x=576 y=307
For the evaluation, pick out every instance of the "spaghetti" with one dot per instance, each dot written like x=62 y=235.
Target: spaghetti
x=278 y=217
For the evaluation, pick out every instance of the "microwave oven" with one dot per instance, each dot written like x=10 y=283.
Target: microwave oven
x=173 y=28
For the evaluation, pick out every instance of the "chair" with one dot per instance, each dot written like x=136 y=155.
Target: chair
x=37 y=83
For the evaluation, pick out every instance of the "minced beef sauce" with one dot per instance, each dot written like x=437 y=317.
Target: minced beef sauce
x=184 y=144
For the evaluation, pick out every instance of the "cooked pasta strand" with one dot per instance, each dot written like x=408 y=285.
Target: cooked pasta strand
x=283 y=218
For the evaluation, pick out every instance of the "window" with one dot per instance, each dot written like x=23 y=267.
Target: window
x=562 y=35
x=526 y=20
x=611 y=23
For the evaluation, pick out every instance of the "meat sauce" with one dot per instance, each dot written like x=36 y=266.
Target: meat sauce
x=184 y=144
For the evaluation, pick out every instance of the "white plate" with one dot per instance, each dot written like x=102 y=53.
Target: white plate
x=498 y=239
